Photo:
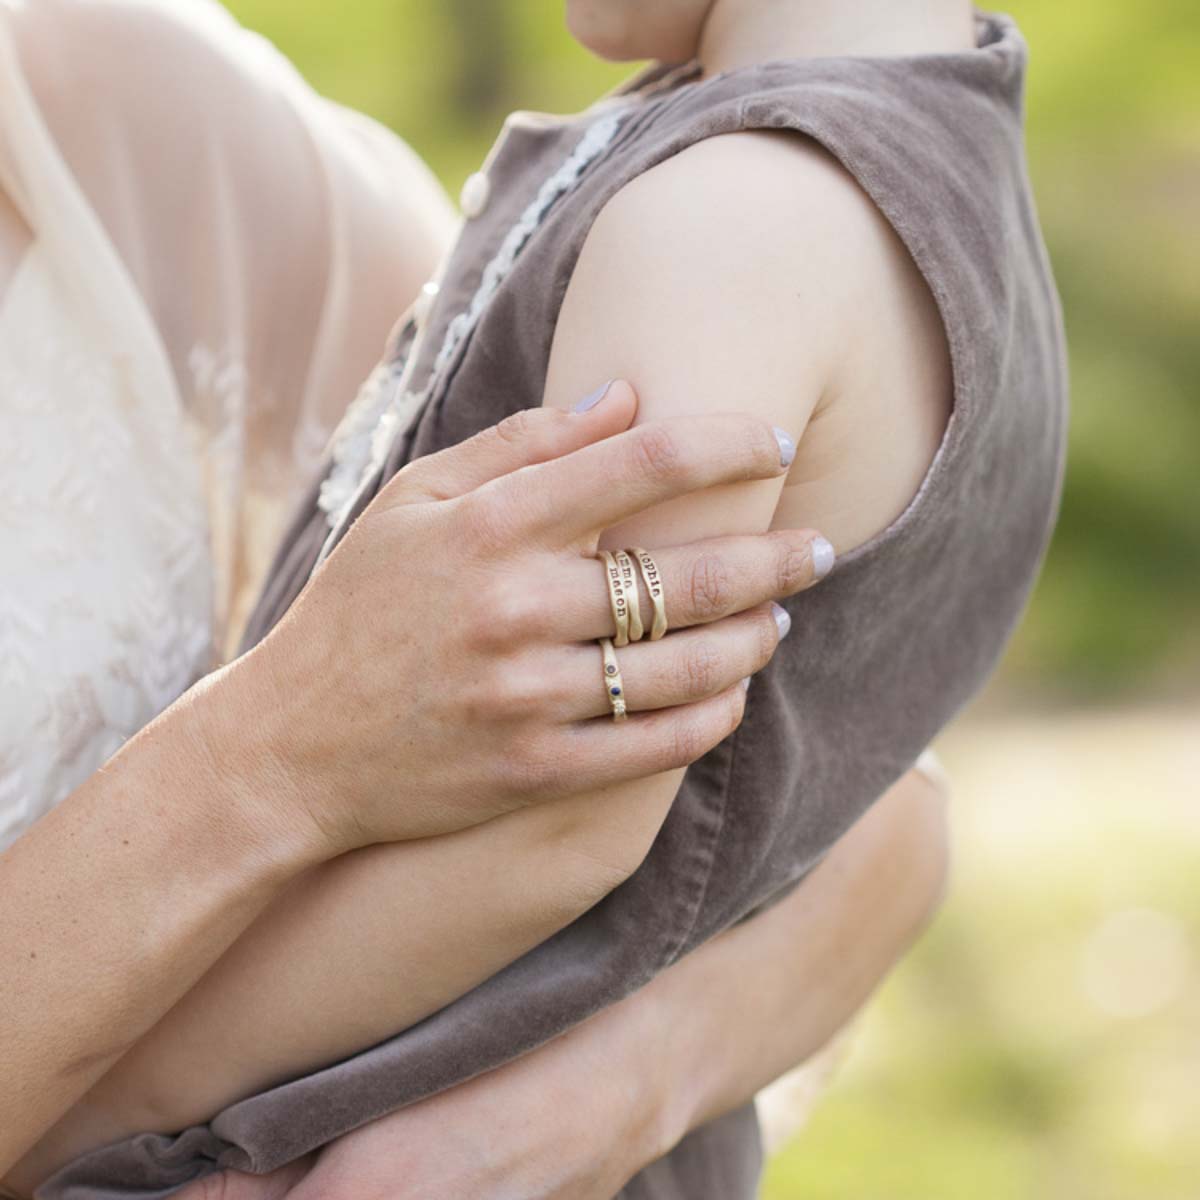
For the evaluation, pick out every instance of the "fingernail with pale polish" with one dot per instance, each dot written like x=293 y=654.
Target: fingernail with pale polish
x=590 y=402
x=781 y=619
x=787 y=447
x=823 y=557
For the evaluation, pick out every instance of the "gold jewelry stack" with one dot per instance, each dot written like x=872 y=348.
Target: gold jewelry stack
x=625 y=602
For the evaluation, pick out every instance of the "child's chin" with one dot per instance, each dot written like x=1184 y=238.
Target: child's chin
x=609 y=29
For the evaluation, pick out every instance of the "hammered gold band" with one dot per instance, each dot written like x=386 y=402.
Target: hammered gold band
x=654 y=585
x=614 y=686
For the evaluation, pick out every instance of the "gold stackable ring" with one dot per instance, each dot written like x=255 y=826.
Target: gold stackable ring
x=654 y=585
x=629 y=582
x=614 y=686
x=618 y=598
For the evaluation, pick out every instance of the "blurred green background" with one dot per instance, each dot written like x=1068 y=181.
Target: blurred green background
x=1044 y=1039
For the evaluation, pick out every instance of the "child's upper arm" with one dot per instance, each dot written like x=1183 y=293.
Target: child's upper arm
x=751 y=272
x=716 y=281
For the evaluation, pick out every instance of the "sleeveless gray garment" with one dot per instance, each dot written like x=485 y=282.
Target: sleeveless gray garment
x=881 y=655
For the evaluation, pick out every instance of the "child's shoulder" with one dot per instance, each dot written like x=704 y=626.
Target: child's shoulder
x=750 y=271
x=755 y=190
x=770 y=221
x=768 y=173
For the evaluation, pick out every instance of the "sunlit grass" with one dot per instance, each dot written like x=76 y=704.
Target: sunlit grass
x=1043 y=1042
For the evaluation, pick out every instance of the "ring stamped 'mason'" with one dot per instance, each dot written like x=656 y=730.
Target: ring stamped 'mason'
x=617 y=598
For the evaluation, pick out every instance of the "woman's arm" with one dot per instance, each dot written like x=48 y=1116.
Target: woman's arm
x=310 y=721
x=119 y=900
x=576 y=1119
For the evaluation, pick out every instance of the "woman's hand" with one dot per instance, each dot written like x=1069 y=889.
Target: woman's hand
x=573 y=1120
x=462 y=608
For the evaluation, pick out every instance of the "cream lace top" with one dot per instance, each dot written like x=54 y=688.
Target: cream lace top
x=214 y=258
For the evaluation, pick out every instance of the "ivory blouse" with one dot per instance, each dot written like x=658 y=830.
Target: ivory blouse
x=214 y=257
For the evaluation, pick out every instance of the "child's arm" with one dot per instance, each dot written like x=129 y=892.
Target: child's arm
x=748 y=267
x=752 y=266
x=580 y=1116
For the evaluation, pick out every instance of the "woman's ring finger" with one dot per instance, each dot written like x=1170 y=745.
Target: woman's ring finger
x=679 y=669
x=697 y=584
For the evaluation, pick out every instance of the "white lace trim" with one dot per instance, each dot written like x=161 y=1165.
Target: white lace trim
x=351 y=452
x=593 y=143
x=386 y=408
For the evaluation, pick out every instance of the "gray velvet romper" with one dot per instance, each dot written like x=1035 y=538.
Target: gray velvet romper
x=882 y=654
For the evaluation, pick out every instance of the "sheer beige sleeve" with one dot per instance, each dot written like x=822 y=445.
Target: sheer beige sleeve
x=274 y=236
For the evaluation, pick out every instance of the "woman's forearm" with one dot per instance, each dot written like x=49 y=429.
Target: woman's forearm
x=116 y=903
x=359 y=949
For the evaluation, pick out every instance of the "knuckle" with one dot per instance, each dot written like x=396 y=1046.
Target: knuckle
x=709 y=587
x=406 y=483
x=517 y=427
x=695 y=736
x=793 y=565
x=763 y=446
x=754 y=446
x=532 y=768
x=690 y=740
x=699 y=667
x=520 y=691
x=767 y=633
x=504 y=614
x=656 y=451
x=735 y=711
x=491 y=699
x=486 y=521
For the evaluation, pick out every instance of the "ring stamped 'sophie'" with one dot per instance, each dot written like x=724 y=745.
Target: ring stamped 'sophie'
x=614 y=685
x=654 y=585
x=617 y=598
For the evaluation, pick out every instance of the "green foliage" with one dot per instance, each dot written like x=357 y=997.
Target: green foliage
x=1114 y=108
